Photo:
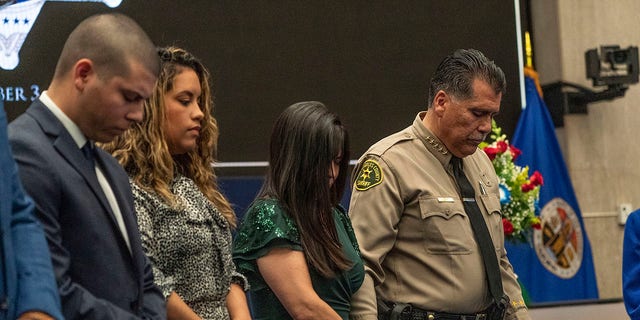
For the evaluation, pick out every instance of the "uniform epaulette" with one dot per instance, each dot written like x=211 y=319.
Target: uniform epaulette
x=385 y=144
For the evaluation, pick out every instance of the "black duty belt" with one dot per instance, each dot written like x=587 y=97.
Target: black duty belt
x=400 y=311
x=416 y=314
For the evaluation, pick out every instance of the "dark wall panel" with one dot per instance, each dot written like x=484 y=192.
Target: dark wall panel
x=370 y=61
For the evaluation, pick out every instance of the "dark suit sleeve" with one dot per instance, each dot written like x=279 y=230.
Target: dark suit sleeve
x=42 y=183
x=153 y=298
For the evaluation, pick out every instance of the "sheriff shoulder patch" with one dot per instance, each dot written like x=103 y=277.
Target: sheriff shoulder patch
x=369 y=175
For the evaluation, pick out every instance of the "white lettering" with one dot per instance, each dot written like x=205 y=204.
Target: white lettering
x=19 y=93
x=8 y=91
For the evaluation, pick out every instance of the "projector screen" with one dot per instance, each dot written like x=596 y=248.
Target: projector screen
x=369 y=61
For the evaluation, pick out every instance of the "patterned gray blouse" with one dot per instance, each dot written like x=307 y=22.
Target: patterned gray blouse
x=189 y=247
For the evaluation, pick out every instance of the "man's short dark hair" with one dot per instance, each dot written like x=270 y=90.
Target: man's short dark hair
x=455 y=74
x=111 y=41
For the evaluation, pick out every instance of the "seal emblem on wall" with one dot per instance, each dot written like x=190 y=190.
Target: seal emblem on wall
x=559 y=242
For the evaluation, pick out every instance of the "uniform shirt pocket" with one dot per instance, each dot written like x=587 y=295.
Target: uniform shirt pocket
x=445 y=227
x=494 y=220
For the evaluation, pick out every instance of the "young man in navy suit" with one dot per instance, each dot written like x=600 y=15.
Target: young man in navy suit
x=107 y=68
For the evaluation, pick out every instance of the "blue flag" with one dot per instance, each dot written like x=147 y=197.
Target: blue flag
x=558 y=266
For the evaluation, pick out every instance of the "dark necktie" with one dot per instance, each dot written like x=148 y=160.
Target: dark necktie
x=88 y=152
x=480 y=230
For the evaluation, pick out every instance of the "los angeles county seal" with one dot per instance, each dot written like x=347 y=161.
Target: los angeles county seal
x=559 y=241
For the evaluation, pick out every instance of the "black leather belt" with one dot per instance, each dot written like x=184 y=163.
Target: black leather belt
x=416 y=314
x=407 y=312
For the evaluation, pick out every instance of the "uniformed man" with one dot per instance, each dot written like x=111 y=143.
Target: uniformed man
x=422 y=248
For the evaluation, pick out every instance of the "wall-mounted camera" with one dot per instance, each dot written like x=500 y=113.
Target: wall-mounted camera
x=608 y=66
x=612 y=65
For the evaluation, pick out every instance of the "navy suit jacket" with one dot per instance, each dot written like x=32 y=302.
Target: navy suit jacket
x=98 y=278
x=27 y=281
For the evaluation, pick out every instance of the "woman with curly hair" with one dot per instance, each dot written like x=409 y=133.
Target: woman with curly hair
x=184 y=220
x=296 y=244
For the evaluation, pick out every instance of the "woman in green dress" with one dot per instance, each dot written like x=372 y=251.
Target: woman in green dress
x=296 y=245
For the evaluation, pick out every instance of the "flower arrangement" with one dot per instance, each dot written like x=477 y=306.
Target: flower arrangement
x=519 y=192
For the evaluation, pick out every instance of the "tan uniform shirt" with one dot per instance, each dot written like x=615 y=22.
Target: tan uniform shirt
x=414 y=235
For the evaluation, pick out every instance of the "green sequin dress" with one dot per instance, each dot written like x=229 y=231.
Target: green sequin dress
x=267 y=226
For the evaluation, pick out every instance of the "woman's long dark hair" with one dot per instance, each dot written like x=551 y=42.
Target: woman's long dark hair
x=305 y=141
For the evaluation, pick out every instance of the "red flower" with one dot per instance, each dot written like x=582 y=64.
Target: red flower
x=527 y=187
x=536 y=179
x=502 y=146
x=536 y=226
x=507 y=226
x=515 y=152
x=491 y=152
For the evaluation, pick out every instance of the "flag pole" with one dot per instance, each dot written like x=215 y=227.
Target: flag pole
x=528 y=70
x=527 y=49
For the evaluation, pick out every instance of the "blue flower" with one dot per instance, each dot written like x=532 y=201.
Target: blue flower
x=505 y=195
